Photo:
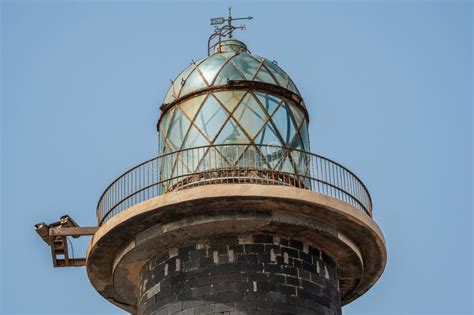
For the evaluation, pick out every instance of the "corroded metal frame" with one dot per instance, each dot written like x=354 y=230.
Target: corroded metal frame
x=239 y=85
x=245 y=86
x=282 y=93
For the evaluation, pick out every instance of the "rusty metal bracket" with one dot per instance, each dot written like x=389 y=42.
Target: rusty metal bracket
x=56 y=234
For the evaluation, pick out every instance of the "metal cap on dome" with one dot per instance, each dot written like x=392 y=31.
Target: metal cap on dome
x=230 y=45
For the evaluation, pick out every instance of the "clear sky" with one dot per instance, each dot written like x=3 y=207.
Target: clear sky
x=389 y=91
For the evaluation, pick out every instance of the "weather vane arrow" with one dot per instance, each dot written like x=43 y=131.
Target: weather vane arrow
x=228 y=29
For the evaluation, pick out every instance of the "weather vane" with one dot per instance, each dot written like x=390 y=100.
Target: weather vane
x=225 y=30
x=229 y=28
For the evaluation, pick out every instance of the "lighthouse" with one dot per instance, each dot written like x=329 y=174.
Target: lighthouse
x=235 y=214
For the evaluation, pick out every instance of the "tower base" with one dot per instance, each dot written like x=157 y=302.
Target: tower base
x=127 y=253
x=240 y=274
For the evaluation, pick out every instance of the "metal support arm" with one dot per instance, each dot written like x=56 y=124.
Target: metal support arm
x=55 y=235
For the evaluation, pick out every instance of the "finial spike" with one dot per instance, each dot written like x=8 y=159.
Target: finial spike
x=229 y=19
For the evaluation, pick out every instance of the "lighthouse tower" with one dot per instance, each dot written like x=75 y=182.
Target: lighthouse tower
x=235 y=215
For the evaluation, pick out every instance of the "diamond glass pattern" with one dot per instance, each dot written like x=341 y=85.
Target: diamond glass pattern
x=231 y=133
x=211 y=66
x=246 y=64
x=297 y=115
x=210 y=117
x=255 y=117
x=165 y=121
x=232 y=117
x=243 y=66
x=292 y=87
x=194 y=138
x=177 y=84
x=250 y=158
x=177 y=130
x=229 y=72
x=280 y=75
x=263 y=75
x=250 y=115
x=305 y=136
x=193 y=82
x=230 y=99
x=284 y=123
x=269 y=136
x=268 y=101
x=191 y=106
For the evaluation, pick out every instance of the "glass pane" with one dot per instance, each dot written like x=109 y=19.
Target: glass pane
x=191 y=106
x=181 y=78
x=296 y=143
x=229 y=72
x=268 y=101
x=228 y=54
x=178 y=128
x=193 y=82
x=231 y=133
x=232 y=152
x=295 y=156
x=304 y=136
x=211 y=117
x=251 y=159
x=297 y=114
x=211 y=66
x=268 y=136
x=284 y=123
x=171 y=95
x=302 y=162
x=176 y=85
x=191 y=158
x=212 y=160
x=230 y=99
x=272 y=154
x=161 y=143
x=180 y=168
x=292 y=87
x=274 y=158
x=258 y=58
x=264 y=76
x=165 y=121
x=250 y=115
x=286 y=165
x=246 y=64
x=194 y=138
x=277 y=72
x=168 y=147
x=166 y=166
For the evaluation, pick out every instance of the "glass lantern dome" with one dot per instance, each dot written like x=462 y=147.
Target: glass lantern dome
x=232 y=116
x=233 y=97
x=232 y=61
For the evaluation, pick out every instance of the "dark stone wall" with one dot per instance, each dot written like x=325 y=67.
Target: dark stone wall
x=259 y=274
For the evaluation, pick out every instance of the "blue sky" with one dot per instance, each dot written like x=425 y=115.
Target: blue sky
x=389 y=91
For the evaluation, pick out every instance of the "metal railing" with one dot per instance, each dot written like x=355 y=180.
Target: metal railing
x=232 y=163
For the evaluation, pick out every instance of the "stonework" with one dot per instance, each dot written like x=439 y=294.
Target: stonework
x=240 y=274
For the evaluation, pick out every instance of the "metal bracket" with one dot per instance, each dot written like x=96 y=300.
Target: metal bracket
x=55 y=235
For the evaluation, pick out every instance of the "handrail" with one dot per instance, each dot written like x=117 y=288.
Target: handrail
x=236 y=163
